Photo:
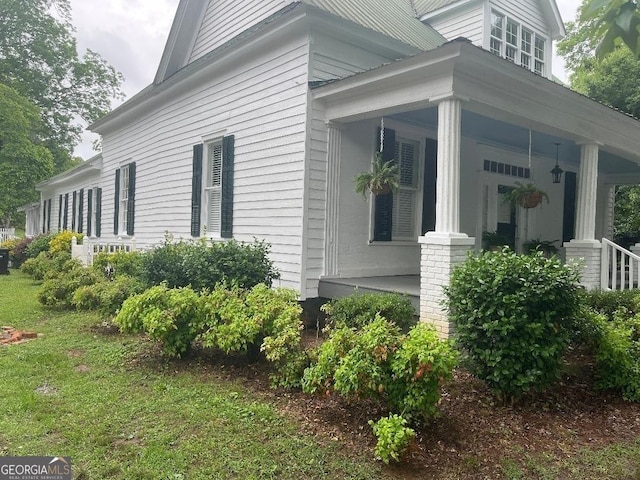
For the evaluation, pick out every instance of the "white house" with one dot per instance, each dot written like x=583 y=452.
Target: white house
x=262 y=112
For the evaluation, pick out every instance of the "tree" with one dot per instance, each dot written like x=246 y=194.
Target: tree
x=23 y=162
x=613 y=21
x=39 y=59
x=612 y=79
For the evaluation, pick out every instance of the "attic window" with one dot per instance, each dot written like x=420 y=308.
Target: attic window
x=518 y=44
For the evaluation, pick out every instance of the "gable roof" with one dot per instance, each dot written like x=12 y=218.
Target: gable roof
x=394 y=18
x=425 y=6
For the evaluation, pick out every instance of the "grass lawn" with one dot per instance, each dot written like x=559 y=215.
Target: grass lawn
x=121 y=411
x=79 y=392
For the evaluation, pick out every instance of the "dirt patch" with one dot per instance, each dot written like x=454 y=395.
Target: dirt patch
x=12 y=335
x=82 y=368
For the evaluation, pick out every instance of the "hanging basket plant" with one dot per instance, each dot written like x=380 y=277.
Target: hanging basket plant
x=383 y=178
x=526 y=196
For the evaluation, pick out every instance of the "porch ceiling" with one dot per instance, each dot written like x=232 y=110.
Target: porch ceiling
x=501 y=101
x=502 y=134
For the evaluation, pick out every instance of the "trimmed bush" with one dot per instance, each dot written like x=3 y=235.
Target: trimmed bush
x=61 y=241
x=165 y=314
x=513 y=316
x=394 y=437
x=203 y=264
x=107 y=296
x=123 y=263
x=46 y=265
x=19 y=253
x=58 y=290
x=358 y=310
x=39 y=244
x=609 y=302
x=379 y=362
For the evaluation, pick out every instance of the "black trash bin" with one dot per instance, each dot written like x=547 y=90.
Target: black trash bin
x=4 y=261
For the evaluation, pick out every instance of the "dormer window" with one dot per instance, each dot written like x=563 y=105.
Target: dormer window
x=518 y=44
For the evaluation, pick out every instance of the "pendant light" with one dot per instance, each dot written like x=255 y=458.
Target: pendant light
x=557 y=172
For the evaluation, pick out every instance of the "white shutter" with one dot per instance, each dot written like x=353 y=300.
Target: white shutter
x=404 y=202
x=214 y=187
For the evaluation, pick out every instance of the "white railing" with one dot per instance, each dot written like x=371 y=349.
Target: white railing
x=7 y=234
x=90 y=247
x=620 y=268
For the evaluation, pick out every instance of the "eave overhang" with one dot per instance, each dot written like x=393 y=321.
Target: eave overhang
x=88 y=169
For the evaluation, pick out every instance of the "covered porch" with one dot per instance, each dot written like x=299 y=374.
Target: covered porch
x=465 y=126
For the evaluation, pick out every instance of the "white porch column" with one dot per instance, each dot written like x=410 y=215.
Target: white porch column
x=333 y=200
x=443 y=249
x=584 y=248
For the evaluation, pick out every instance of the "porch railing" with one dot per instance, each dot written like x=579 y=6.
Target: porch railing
x=7 y=234
x=620 y=268
x=89 y=248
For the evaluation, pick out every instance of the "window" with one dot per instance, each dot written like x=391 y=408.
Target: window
x=404 y=201
x=124 y=207
x=497 y=22
x=509 y=39
x=212 y=188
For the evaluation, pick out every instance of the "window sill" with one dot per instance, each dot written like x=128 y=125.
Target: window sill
x=394 y=243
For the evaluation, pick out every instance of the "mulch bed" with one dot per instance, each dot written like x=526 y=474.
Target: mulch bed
x=473 y=435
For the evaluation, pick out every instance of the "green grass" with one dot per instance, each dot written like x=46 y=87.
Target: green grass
x=79 y=393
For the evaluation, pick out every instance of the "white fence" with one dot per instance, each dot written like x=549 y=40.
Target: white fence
x=7 y=234
x=89 y=248
x=620 y=268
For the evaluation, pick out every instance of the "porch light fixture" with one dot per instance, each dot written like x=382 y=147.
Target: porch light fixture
x=557 y=172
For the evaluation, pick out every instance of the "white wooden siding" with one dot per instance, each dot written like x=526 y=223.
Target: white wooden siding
x=465 y=22
x=224 y=19
x=527 y=12
x=262 y=102
x=333 y=59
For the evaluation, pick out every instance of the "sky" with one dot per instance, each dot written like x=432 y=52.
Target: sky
x=131 y=35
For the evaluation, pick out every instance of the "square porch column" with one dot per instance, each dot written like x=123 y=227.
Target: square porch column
x=444 y=248
x=584 y=248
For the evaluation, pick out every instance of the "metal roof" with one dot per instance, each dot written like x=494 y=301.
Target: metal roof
x=394 y=18
x=425 y=6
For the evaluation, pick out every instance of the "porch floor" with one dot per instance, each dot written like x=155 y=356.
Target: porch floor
x=341 y=287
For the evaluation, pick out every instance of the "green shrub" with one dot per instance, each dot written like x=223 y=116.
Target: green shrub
x=261 y=319
x=19 y=253
x=608 y=302
x=358 y=310
x=57 y=291
x=394 y=437
x=618 y=354
x=203 y=264
x=377 y=361
x=107 y=296
x=46 y=265
x=513 y=316
x=61 y=241
x=123 y=263
x=10 y=245
x=39 y=244
x=167 y=315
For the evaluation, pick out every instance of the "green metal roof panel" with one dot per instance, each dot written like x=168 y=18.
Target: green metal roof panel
x=394 y=18
x=425 y=6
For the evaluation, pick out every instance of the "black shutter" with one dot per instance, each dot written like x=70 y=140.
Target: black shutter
x=226 y=221
x=383 y=206
x=569 y=214
x=429 y=197
x=60 y=213
x=116 y=204
x=44 y=217
x=65 y=213
x=196 y=190
x=48 y=216
x=74 y=211
x=98 y=226
x=81 y=211
x=89 y=210
x=131 y=201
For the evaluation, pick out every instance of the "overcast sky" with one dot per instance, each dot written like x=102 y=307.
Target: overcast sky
x=131 y=34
